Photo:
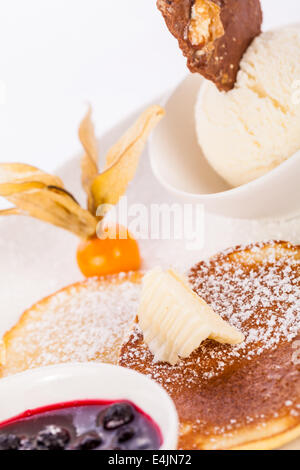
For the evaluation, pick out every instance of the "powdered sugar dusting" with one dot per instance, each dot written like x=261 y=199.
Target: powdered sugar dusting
x=259 y=296
x=86 y=322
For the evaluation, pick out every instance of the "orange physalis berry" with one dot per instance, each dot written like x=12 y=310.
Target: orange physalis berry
x=100 y=257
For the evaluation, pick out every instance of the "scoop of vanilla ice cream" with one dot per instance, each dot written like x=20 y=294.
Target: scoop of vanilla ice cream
x=251 y=129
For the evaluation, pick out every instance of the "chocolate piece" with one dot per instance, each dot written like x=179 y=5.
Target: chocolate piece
x=213 y=34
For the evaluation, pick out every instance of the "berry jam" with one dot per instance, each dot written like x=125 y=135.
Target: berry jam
x=88 y=425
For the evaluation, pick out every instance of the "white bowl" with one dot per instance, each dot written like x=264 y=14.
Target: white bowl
x=180 y=166
x=63 y=383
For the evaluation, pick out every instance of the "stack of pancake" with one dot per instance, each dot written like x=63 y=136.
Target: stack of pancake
x=227 y=397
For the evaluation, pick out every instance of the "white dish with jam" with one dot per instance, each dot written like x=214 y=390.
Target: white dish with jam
x=59 y=388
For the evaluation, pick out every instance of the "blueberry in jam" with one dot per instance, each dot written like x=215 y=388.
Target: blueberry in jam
x=27 y=444
x=88 y=441
x=88 y=425
x=9 y=442
x=117 y=415
x=52 y=438
x=125 y=433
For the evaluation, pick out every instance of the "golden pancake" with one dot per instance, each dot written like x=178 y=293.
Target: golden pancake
x=245 y=396
x=83 y=322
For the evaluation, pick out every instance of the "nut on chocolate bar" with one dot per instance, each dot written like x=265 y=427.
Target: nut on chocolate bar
x=213 y=34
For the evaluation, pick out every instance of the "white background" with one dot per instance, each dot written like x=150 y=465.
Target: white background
x=58 y=55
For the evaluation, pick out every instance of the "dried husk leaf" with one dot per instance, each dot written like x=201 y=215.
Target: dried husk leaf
x=9 y=189
x=18 y=173
x=89 y=161
x=123 y=158
x=12 y=211
x=56 y=207
x=62 y=191
x=43 y=197
x=2 y=353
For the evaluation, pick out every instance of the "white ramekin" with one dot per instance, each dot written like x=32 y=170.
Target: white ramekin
x=69 y=382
